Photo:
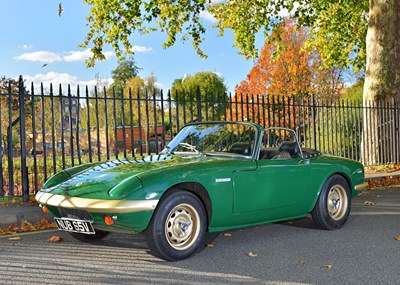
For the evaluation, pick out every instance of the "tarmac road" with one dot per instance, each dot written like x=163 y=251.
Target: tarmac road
x=364 y=251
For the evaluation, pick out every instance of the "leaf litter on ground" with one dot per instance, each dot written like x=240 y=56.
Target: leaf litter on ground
x=27 y=226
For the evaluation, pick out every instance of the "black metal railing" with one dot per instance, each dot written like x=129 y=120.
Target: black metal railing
x=43 y=131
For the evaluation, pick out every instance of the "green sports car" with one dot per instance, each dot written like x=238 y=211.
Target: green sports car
x=212 y=176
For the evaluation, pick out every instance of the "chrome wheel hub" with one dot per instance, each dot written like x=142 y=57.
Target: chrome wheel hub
x=182 y=226
x=337 y=202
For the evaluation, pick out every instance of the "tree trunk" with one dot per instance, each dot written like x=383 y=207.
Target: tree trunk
x=382 y=76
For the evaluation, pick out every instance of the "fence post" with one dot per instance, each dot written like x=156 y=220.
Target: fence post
x=198 y=97
x=313 y=111
x=24 y=169
x=10 y=155
x=1 y=158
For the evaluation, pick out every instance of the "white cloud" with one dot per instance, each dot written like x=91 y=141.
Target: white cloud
x=39 y=56
x=64 y=79
x=141 y=49
x=208 y=16
x=104 y=82
x=158 y=85
x=50 y=57
x=69 y=56
x=83 y=55
x=217 y=73
x=52 y=77
x=285 y=12
x=77 y=55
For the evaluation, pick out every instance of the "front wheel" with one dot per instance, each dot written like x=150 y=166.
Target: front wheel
x=333 y=205
x=177 y=229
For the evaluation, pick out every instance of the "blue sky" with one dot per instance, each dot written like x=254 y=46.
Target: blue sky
x=34 y=35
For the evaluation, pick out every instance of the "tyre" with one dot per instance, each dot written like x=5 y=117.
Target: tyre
x=333 y=205
x=99 y=235
x=178 y=226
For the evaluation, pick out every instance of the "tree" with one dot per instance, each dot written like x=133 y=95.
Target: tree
x=341 y=27
x=355 y=91
x=125 y=70
x=209 y=83
x=11 y=87
x=286 y=67
x=211 y=87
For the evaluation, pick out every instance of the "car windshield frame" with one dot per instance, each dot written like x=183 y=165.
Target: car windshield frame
x=228 y=139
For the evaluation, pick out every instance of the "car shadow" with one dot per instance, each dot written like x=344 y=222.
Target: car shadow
x=305 y=223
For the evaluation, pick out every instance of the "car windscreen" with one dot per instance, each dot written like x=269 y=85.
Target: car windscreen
x=215 y=138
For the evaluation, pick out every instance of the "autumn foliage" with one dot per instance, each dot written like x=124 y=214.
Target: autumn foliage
x=27 y=226
x=285 y=70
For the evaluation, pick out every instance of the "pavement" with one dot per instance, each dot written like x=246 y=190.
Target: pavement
x=33 y=213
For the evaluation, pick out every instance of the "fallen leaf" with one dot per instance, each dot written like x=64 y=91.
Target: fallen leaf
x=44 y=222
x=227 y=235
x=328 y=266
x=252 y=254
x=210 y=245
x=302 y=262
x=397 y=238
x=15 y=238
x=55 y=239
x=369 y=203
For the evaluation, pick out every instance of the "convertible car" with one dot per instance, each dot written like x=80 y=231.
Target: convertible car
x=212 y=176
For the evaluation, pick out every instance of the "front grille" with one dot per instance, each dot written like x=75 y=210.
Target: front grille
x=75 y=214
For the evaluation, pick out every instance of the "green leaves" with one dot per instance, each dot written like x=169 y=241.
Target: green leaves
x=338 y=27
x=115 y=21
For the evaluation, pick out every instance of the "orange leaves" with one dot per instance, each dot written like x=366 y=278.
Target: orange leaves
x=285 y=66
x=26 y=226
x=383 y=182
x=55 y=239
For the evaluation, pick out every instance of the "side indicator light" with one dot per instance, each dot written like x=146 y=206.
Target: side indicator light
x=108 y=220
x=45 y=210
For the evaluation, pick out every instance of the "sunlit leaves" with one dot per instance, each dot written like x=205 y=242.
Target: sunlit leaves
x=114 y=21
x=251 y=254
x=14 y=238
x=55 y=239
x=27 y=226
x=339 y=27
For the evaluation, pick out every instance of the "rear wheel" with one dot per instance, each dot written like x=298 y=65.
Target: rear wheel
x=333 y=205
x=99 y=235
x=177 y=229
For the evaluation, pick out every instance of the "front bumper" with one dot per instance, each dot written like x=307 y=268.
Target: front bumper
x=360 y=187
x=96 y=205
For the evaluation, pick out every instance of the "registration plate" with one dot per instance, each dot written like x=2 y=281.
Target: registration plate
x=74 y=225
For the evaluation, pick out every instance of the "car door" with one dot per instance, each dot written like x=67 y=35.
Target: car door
x=279 y=182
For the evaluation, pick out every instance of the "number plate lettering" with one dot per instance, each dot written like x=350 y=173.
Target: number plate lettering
x=74 y=225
